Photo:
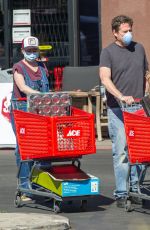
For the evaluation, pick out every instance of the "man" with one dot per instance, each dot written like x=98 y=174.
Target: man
x=123 y=66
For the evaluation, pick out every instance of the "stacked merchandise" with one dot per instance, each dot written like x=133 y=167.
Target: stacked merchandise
x=49 y=104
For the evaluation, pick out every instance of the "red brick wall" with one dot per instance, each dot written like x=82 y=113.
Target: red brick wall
x=138 y=10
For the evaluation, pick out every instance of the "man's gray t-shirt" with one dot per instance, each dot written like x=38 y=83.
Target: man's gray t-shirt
x=128 y=67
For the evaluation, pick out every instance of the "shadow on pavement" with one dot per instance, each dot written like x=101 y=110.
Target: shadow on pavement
x=145 y=208
x=94 y=203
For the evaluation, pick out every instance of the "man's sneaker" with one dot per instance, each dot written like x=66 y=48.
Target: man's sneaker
x=136 y=200
x=25 y=198
x=120 y=202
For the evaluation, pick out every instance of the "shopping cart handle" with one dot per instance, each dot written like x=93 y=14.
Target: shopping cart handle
x=20 y=99
x=137 y=99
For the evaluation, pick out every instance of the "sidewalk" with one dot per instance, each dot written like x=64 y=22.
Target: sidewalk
x=105 y=144
x=19 y=221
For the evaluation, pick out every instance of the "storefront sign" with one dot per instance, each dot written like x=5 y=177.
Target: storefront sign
x=21 y=17
x=7 y=137
x=19 y=33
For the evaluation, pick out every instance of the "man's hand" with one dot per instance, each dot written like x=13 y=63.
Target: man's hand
x=127 y=99
x=147 y=87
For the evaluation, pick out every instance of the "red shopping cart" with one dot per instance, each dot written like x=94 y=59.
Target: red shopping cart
x=137 y=128
x=53 y=140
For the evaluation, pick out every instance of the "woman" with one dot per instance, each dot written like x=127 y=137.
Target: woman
x=29 y=77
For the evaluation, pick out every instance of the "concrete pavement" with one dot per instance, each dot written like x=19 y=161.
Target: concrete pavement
x=101 y=212
x=105 y=144
x=29 y=221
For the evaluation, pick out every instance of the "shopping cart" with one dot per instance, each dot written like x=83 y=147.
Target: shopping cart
x=48 y=141
x=137 y=129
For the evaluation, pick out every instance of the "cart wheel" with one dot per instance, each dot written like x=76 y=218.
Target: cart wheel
x=83 y=206
x=143 y=203
x=57 y=207
x=128 y=206
x=17 y=201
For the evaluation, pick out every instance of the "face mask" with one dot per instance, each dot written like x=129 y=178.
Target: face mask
x=31 y=56
x=127 y=38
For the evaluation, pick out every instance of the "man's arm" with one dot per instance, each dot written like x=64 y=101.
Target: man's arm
x=147 y=87
x=105 y=77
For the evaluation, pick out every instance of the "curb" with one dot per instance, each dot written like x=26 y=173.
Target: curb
x=109 y=147
x=104 y=144
x=29 y=221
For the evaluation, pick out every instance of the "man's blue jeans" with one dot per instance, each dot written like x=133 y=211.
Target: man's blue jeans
x=120 y=151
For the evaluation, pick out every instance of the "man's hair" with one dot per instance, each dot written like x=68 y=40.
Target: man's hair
x=117 y=21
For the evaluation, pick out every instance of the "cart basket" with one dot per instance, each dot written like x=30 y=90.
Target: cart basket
x=54 y=137
x=137 y=128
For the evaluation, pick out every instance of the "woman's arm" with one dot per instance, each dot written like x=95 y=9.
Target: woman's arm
x=20 y=82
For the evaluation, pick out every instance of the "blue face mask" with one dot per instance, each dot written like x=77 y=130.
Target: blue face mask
x=127 y=38
x=31 y=56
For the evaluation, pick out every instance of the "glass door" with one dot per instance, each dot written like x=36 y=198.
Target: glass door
x=47 y=20
x=2 y=41
x=89 y=32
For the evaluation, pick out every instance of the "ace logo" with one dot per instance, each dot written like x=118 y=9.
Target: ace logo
x=131 y=132
x=22 y=131
x=72 y=132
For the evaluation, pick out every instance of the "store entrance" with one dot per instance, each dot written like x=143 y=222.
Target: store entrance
x=47 y=20
x=3 y=35
x=67 y=31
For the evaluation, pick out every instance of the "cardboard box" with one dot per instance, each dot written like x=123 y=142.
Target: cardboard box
x=66 y=181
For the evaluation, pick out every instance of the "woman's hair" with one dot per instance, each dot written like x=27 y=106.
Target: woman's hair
x=117 y=21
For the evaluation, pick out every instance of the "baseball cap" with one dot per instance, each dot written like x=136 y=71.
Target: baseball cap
x=30 y=41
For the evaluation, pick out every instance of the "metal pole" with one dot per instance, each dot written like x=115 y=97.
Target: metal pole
x=73 y=32
x=99 y=26
x=6 y=32
x=100 y=32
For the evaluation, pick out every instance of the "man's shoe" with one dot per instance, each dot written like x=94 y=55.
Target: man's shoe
x=136 y=200
x=120 y=203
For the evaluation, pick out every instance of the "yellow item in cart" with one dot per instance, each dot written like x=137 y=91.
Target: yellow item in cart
x=66 y=181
